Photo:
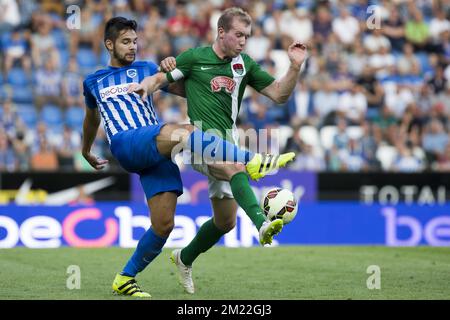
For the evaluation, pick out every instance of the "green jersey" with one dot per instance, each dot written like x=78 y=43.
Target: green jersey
x=214 y=87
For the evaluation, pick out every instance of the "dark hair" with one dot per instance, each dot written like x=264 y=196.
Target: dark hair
x=226 y=19
x=115 y=25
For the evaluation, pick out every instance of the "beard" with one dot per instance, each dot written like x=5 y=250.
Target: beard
x=122 y=58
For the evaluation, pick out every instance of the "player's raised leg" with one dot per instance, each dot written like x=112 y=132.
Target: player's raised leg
x=212 y=149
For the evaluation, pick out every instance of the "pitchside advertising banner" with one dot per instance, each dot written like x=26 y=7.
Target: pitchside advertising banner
x=122 y=224
x=69 y=209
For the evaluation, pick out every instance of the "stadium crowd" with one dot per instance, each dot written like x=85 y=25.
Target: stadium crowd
x=374 y=93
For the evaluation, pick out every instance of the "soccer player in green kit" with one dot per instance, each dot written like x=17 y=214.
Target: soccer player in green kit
x=215 y=78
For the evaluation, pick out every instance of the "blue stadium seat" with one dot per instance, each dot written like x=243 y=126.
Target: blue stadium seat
x=60 y=39
x=64 y=56
x=28 y=114
x=51 y=115
x=22 y=94
x=86 y=58
x=18 y=77
x=75 y=117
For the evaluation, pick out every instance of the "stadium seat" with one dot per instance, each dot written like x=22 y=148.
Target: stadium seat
x=28 y=114
x=386 y=155
x=355 y=132
x=60 y=39
x=86 y=58
x=310 y=135
x=17 y=77
x=327 y=134
x=51 y=115
x=20 y=94
x=75 y=117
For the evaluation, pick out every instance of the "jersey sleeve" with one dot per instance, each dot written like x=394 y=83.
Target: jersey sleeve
x=185 y=60
x=89 y=99
x=257 y=77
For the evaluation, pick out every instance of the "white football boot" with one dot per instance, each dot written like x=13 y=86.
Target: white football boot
x=185 y=272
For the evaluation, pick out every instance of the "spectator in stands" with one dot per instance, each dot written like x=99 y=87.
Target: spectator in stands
x=293 y=20
x=416 y=31
x=48 y=85
x=438 y=83
x=352 y=105
x=322 y=24
x=9 y=15
x=272 y=27
x=43 y=47
x=65 y=148
x=72 y=85
x=340 y=140
x=21 y=148
x=406 y=161
x=345 y=27
x=407 y=63
x=374 y=92
x=16 y=50
x=375 y=41
x=299 y=106
x=443 y=160
x=382 y=63
x=394 y=29
x=438 y=25
x=434 y=140
x=8 y=119
x=356 y=60
x=384 y=125
x=367 y=141
x=45 y=159
x=308 y=160
x=8 y=161
x=258 y=45
x=351 y=157
x=325 y=103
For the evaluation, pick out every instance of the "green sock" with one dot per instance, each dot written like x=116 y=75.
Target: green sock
x=244 y=196
x=206 y=237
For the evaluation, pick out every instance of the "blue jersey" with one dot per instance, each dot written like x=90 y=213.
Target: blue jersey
x=106 y=90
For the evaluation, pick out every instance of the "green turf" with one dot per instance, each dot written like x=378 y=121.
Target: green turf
x=246 y=273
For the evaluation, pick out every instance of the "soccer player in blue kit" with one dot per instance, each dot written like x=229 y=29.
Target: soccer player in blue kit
x=144 y=146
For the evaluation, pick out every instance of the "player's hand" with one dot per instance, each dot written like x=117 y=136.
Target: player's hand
x=94 y=161
x=168 y=64
x=297 y=53
x=139 y=88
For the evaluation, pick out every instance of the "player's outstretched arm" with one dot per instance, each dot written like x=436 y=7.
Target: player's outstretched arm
x=149 y=85
x=90 y=127
x=280 y=90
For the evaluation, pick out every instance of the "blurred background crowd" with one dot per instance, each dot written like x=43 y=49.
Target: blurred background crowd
x=374 y=93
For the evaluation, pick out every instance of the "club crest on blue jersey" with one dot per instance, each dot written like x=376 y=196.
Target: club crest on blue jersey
x=131 y=73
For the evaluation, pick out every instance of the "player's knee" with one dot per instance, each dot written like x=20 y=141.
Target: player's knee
x=234 y=168
x=163 y=228
x=226 y=226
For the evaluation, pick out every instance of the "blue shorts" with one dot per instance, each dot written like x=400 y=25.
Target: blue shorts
x=136 y=152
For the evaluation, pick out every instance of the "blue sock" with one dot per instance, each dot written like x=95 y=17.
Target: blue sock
x=212 y=147
x=148 y=248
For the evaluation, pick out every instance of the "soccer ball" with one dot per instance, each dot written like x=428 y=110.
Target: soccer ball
x=279 y=203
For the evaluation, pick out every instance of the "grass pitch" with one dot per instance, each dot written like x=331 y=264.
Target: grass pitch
x=289 y=272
